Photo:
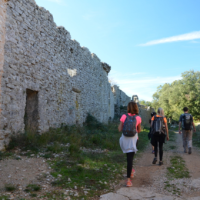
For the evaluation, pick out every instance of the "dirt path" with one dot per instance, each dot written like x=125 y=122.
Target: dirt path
x=152 y=181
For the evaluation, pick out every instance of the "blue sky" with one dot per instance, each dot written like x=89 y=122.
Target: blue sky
x=146 y=43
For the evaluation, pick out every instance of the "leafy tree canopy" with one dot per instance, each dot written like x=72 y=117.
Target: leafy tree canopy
x=145 y=103
x=179 y=94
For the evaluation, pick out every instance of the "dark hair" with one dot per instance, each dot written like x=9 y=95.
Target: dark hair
x=133 y=108
x=153 y=113
x=185 y=109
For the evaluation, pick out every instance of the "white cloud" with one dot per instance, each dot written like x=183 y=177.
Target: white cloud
x=184 y=37
x=139 y=84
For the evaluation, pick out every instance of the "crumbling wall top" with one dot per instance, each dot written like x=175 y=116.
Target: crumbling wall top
x=106 y=67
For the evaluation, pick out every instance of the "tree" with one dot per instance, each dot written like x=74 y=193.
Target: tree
x=145 y=103
x=179 y=94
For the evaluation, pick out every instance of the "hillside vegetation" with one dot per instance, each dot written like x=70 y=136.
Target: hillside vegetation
x=179 y=94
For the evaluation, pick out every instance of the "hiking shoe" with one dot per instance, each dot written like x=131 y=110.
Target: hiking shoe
x=128 y=184
x=185 y=150
x=154 y=161
x=189 y=150
x=132 y=173
x=161 y=163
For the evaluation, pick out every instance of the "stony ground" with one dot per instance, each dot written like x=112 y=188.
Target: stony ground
x=22 y=172
x=152 y=181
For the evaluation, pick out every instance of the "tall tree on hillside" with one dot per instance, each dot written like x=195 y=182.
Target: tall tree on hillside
x=191 y=88
x=185 y=92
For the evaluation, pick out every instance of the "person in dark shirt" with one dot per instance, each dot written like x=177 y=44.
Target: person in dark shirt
x=186 y=122
x=149 y=135
x=159 y=134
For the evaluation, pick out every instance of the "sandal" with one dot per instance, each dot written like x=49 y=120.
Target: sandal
x=128 y=184
x=132 y=173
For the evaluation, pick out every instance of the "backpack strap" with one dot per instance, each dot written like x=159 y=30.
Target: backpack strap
x=158 y=117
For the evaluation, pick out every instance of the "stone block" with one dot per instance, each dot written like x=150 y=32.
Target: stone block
x=141 y=193
x=113 y=196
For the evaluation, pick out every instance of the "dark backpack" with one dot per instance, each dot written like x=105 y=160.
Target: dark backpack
x=129 y=127
x=158 y=125
x=187 y=120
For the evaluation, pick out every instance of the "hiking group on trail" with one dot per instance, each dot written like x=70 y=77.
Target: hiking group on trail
x=130 y=126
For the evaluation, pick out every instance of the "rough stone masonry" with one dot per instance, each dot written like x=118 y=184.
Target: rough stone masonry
x=46 y=78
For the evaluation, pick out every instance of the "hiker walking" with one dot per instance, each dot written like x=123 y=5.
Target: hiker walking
x=130 y=125
x=150 y=130
x=186 y=122
x=159 y=132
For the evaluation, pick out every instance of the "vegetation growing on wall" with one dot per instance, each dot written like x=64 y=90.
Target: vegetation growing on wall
x=175 y=96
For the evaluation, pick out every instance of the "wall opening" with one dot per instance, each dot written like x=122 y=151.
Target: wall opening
x=31 y=116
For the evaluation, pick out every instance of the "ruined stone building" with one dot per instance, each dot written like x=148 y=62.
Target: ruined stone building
x=46 y=78
x=120 y=99
x=135 y=98
x=144 y=111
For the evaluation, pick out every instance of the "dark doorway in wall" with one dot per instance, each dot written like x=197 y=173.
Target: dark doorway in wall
x=31 y=116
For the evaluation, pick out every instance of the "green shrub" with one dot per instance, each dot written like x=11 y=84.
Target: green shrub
x=55 y=147
x=92 y=123
x=33 y=188
x=4 y=197
x=4 y=155
x=74 y=149
x=10 y=187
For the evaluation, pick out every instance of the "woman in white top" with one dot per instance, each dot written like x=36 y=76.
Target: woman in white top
x=128 y=144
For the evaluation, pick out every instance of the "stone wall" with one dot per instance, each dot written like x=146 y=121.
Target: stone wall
x=38 y=56
x=120 y=99
x=135 y=98
x=3 y=7
x=46 y=77
x=145 y=113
